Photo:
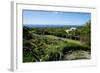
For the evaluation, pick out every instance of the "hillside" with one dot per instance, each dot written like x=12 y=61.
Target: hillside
x=53 y=44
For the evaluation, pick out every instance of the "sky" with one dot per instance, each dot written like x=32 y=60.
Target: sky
x=53 y=17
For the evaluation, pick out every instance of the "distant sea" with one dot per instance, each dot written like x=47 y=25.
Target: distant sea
x=52 y=25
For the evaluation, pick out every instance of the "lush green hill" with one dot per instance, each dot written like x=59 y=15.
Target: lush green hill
x=54 y=44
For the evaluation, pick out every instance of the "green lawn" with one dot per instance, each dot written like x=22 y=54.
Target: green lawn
x=74 y=41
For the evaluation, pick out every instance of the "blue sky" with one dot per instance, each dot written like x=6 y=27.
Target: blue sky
x=52 y=18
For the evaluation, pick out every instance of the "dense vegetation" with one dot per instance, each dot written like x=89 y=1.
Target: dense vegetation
x=55 y=44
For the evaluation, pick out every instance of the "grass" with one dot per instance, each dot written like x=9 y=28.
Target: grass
x=74 y=41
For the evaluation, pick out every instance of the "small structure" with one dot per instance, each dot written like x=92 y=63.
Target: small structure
x=71 y=29
x=72 y=34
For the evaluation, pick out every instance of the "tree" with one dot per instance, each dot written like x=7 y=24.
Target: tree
x=86 y=33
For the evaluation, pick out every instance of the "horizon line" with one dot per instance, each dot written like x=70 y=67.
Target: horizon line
x=54 y=24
